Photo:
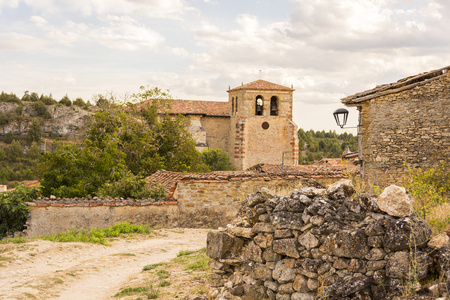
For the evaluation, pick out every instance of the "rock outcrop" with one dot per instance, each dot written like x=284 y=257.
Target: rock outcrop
x=319 y=244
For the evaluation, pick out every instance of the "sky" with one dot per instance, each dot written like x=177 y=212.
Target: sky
x=197 y=49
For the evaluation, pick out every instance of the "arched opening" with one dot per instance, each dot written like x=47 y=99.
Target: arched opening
x=232 y=105
x=274 y=106
x=236 y=104
x=259 y=106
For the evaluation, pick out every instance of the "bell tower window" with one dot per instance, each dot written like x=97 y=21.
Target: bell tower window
x=274 y=106
x=236 y=104
x=232 y=105
x=259 y=106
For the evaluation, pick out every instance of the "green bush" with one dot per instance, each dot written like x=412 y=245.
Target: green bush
x=13 y=210
x=133 y=186
x=217 y=160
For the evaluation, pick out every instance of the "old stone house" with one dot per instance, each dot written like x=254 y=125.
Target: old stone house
x=403 y=125
x=254 y=126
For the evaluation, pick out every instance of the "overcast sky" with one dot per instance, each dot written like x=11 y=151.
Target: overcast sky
x=326 y=49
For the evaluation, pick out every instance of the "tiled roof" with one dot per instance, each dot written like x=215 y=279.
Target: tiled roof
x=197 y=107
x=401 y=85
x=169 y=179
x=262 y=85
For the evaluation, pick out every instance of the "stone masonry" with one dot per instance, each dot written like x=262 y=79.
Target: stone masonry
x=319 y=244
x=403 y=125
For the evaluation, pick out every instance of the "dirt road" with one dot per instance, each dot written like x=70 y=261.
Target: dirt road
x=50 y=270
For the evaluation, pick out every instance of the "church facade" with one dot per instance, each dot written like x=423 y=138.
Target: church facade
x=254 y=126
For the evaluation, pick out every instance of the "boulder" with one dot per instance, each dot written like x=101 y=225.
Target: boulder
x=395 y=201
x=346 y=287
x=341 y=189
x=347 y=243
x=220 y=245
x=406 y=233
x=438 y=241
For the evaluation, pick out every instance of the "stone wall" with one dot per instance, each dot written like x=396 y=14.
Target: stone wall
x=50 y=216
x=319 y=244
x=410 y=128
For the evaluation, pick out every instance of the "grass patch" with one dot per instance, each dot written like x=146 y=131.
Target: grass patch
x=163 y=274
x=201 y=264
x=164 y=283
x=439 y=218
x=185 y=252
x=152 y=266
x=16 y=240
x=131 y=291
x=124 y=254
x=98 y=235
x=3 y=258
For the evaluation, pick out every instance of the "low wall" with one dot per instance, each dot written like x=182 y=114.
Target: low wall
x=50 y=216
x=195 y=203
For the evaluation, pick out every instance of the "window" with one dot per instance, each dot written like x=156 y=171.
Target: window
x=274 y=106
x=236 y=104
x=259 y=106
x=232 y=105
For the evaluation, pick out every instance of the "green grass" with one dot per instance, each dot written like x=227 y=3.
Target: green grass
x=17 y=240
x=164 y=283
x=152 y=266
x=163 y=274
x=185 y=252
x=131 y=291
x=201 y=264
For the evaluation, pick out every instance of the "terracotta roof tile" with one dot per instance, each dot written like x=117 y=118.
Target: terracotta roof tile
x=401 y=85
x=262 y=85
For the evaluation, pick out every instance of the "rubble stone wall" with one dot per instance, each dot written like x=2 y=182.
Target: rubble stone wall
x=318 y=244
x=410 y=128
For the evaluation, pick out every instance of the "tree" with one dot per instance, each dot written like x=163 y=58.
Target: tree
x=34 y=133
x=217 y=160
x=9 y=138
x=40 y=108
x=65 y=101
x=35 y=152
x=14 y=151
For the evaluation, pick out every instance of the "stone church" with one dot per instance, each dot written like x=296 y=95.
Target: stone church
x=254 y=126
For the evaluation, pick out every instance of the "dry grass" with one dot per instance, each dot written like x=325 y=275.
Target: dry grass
x=439 y=218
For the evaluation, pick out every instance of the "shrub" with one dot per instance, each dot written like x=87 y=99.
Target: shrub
x=133 y=186
x=217 y=160
x=13 y=210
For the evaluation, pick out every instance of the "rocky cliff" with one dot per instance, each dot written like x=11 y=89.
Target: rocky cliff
x=68 y=121
x=319 y=244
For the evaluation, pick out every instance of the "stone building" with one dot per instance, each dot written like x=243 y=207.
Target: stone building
x=254 y=126
x=403 y=125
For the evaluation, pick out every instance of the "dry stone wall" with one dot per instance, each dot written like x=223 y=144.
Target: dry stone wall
x=319 y=244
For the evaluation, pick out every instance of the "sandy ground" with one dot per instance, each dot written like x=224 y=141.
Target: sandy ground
x=49 y=270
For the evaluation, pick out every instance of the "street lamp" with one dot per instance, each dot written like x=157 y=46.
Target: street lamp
x=341 y=115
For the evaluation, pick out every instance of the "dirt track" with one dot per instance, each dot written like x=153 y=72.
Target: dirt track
x=49 y=270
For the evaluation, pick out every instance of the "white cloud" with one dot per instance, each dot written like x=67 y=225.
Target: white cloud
x=19 y=42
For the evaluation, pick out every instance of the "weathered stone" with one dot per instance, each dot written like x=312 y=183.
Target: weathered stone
x=264 y=218
x=395 y=201
x=263 y=228
x=308 y=264
x=261 y=240
x=261 y=272
x=283 y=234
x=300 y=284
x=374 y=228
x=444 y=258
x=406 y=233
x=398 y=265
x=375 y=254
x=367 y=202
x=287 y=220
x=313 y=284
x=341 y=263
x=311 y=192
x=285 y=288
x=438 y=241
x=348 y=286
x=260 y=196
x=317 y=220
x=282 y=273
x=325 y=267
x=374 y=265
x=222 y=245
x=341 y=189
x=240 y=231
x=283 y=297
x=252 y=252
x=302 y=296
x=272 y=285
x=254 y=292
x=357 y=266
x=286 y=247
x=308 y=240
x=269 y=255
x=290 y=204
x=375 y=241
x=350 y=244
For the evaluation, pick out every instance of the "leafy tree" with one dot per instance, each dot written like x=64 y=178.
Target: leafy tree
x=47 y=100
x=4 y=118
x=13 y=210
x=133 y=186
x=65 y=101
x=34 y=133
x=72 y=171
x=2 y=154
x=14 y=151
x=217 y=160
x=40 y=108
x=9 y=98
x=79 y=102
x=9 y=138
x=35 y=152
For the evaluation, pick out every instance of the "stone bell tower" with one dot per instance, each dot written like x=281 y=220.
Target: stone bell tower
x=261 y=126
